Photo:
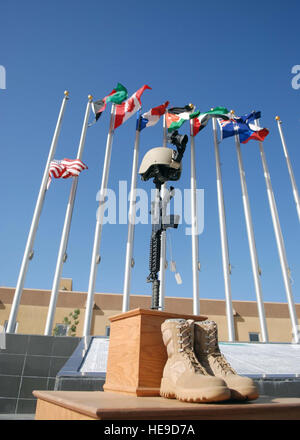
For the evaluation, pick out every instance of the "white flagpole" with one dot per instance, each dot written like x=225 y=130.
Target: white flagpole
x=129 y=262
x=28 y=254
x=165 y=132
x=252 y=246
x=280 y=244
x=194 y=222
x=163 y=248
x=289 y=165
x=224 y=240
x=98 y=231
x=62 y=256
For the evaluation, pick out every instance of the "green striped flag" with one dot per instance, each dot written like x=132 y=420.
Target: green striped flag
x=201 y=119
x=117 y=96
x=176 y=116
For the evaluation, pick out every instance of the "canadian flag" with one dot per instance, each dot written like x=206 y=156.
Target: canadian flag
x=128 y=108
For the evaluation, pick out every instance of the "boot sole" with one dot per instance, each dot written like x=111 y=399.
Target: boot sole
x=167 y=389
x=205 y=395
x=244 y=393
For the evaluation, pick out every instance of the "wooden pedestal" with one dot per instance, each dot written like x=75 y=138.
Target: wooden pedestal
x=137 y=354
x=136 y=359
x=96 y=405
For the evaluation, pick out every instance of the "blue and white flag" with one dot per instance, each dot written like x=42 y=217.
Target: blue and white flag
x=244 y=127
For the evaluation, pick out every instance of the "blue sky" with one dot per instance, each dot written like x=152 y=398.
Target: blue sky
x=208 y=53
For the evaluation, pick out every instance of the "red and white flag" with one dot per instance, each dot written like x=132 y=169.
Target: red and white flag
x=128 y=108
x=152 y=117
x=65 y=168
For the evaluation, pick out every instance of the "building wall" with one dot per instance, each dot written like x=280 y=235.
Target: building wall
x=34 y=304
x=27 y=363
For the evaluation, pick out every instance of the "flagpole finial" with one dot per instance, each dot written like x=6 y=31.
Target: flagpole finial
x=90 y=97
x=66 y=93
x=232 y=112
x=277 y=118
x=191 y=105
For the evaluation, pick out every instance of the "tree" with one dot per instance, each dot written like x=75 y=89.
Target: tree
x=71 y=321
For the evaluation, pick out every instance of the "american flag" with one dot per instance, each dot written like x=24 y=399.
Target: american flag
x=65 y=168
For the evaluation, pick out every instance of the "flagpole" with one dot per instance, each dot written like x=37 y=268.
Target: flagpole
x=129 y=262
x=194 y=223
x=62 y=256
x=289 y=165
x=280 y=243
x=163 y=248
x=28 y=254
x=98 y=231
x=224 y=240
x=252 y=246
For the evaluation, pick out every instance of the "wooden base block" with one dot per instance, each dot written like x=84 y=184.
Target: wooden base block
x=137 y=354
x=98 y=405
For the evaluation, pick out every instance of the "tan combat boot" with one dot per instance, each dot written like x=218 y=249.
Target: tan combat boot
x=183 y=376
x=209 y=355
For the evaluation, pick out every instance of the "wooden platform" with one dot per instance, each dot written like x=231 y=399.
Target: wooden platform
x=98 y=405
x=137 y=354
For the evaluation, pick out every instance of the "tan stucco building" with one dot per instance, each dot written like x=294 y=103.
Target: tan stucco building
x=34 y=304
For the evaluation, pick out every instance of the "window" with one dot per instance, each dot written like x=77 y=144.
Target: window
x=253 y=337
x=107 y=330
x=61 y=330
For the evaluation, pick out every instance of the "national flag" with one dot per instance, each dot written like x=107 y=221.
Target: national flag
x=176 y=116
x=201 y=119
x=117 y=96
x=151 y=117
x=244 y=127
x=65 y=168
x=128 y=108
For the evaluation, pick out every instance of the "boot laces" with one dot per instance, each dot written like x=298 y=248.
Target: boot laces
x=214 y=351
x=186 y=348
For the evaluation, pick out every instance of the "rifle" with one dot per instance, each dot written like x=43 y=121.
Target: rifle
x=160 y=223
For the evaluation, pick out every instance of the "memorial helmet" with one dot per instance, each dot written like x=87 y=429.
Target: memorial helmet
x=159 y=163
